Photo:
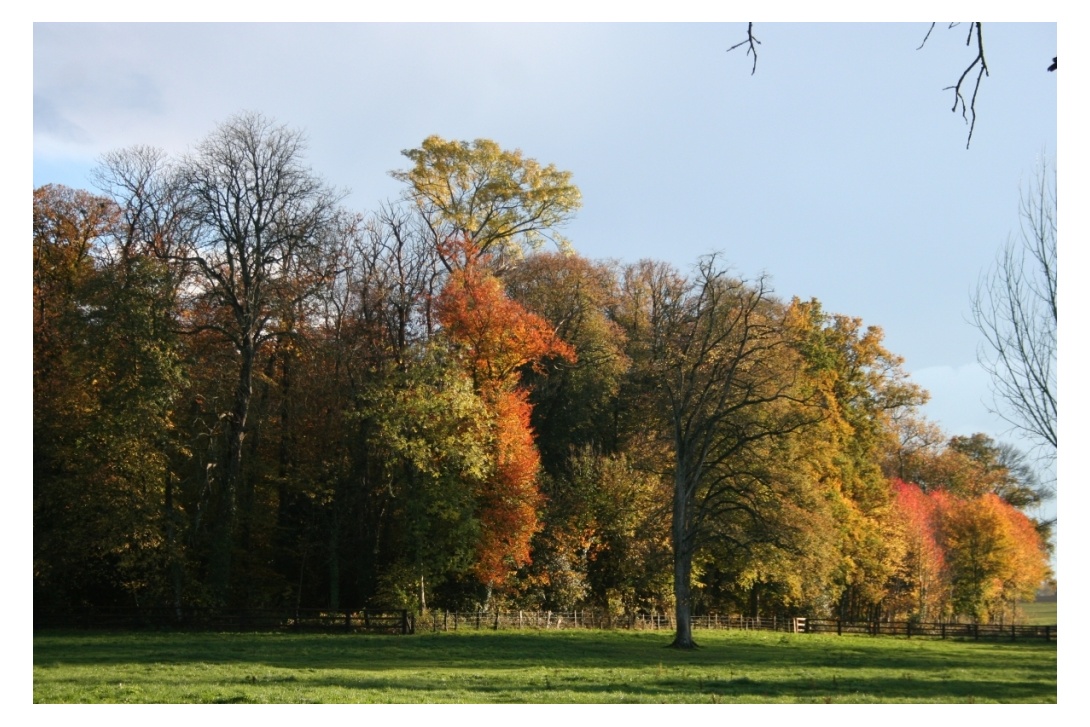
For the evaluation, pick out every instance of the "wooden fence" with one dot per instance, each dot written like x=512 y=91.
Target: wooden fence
x=546 y=620
x=406 y=622
x=940 y=630
x=224 y=619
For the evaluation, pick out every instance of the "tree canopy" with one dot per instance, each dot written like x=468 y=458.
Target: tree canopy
x=248 y=396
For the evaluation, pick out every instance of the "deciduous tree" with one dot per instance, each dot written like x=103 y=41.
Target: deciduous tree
x=494 y=337
x=726 y=386
x=259 y=220
x=1014 y=308
x=499 y=200
x=106 y=373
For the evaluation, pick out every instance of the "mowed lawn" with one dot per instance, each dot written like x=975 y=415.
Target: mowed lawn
x=535 y=667
x=1039 y=612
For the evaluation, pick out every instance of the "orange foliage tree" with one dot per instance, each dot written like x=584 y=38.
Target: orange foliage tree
x=994 y=554
x=923 y=590
x=494 y=338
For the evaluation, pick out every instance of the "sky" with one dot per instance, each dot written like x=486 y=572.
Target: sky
x=837 y=167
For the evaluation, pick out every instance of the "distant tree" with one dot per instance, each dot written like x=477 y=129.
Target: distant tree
x=923 y=593
x=1014 y=307
x=993 y=553
x=863 y=391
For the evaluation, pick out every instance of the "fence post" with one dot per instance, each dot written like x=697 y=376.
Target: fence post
x=496 y=625
x=478 y=619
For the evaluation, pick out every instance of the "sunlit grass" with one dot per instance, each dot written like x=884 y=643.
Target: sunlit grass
x=535 y=667
x=1039 y=612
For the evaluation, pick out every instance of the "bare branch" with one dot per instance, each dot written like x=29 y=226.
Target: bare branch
x=1014 y=307
x=968 y=111
x=752 y=43
x=922 y=42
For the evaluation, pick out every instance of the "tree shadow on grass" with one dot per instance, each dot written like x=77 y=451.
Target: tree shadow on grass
x=506 y=667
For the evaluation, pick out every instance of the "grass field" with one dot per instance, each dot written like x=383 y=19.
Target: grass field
x=535 y=667
x=1039 y=612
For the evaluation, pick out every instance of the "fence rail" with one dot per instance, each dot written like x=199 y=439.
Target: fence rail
x=909 y=629
x=545 y=620
x=225 y=619
x=405 y=622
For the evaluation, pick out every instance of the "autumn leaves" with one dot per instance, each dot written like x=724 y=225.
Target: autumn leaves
x=235 y=405
x=495 y=337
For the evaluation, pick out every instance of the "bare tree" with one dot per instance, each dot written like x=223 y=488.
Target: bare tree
x=259 y=220
x=1014 y=306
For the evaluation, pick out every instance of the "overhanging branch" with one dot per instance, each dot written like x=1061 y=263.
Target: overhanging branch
x=751 y=42
x=968 y=110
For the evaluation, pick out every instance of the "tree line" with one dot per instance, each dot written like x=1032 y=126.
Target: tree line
x=247 y=395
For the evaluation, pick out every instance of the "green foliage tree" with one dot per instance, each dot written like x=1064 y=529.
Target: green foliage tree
x=725 y=384
x=106 y=372
x=501 y=201
x=575 y=403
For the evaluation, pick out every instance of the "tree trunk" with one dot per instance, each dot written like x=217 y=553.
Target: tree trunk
x=683 y=636
x=223 y=538
x=755 y=601
x=334 y=564
x=172 y=548
x=683 y=566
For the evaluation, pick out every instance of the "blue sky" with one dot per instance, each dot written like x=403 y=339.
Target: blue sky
x=837 y=168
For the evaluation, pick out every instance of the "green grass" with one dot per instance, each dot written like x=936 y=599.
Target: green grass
x=1040 y=613
x=535 y=667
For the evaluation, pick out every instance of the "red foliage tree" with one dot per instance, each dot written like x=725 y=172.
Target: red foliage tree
x=495 y=337
x=509 y=500
x=924 y=561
